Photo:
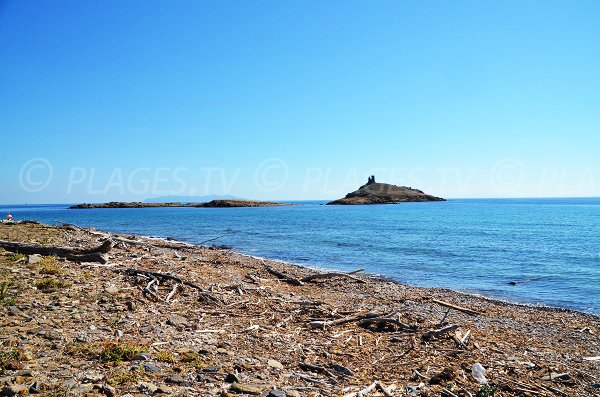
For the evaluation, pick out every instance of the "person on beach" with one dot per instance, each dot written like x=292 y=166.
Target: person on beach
x=9 y=217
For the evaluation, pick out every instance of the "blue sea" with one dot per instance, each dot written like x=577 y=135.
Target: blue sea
x=549 y=247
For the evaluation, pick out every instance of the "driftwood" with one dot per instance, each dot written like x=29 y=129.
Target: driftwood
x=455 y=307
x=106 y=235
x=166 y=276
x=441 y=331
x=362 y=392
x=382 y=321
x=281 y=276
x=97 y=254
x=317 y=368
x=340 y=321
x=294 y=281
x=334 y=274
x=384 y=390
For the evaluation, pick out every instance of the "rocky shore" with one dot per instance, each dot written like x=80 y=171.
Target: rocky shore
x=210 y=204
x=383 y=193
x=161 y=318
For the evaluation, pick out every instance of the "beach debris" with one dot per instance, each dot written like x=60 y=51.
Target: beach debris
x=97 y=254
x=155 y=278
x=415 y=391
x=349 y=275
x=281 y=276
x=596 y=358
x=438 y=332
x=345 y=320
x=478 y=373
x=445 y=375
x=331 y=338
x=342 y=370
x=554 y=376
x=384 y=323
x=455 y=307
x=362 y=392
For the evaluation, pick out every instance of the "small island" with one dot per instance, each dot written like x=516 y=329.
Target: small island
x=383 y=193
x=241 y=203
x=210 y=204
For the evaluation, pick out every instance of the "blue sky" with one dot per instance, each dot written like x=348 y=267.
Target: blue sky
x=112 y=100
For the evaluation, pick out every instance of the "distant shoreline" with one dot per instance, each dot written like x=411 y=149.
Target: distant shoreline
x=210 y=204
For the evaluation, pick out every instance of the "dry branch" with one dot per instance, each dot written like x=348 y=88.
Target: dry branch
x=441 y=331
x=332 y=323
x=384 y=321
x=334 y=274
x=455 y=307
x=281 y=276
x=165 y=276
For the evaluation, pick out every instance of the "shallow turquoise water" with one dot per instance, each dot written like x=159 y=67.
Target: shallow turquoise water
x=476 y=246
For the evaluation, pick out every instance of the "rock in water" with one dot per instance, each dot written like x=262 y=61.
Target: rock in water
x=383 y=193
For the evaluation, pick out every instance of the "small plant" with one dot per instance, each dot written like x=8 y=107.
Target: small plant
x=7 y=295
x=487 y=391
x=7 y=357
x=165 y=357
x=190 y=357
x=119 y=351
x=15 y=256
x=58 y=391
x=122 y=376
x=48 y=267
x=81 y=349
x=48 y=284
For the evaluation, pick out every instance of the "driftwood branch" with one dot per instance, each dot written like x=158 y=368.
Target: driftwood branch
x=97 y=254
x=340 y=321
x=441 y=331
x=455 y=307
x=106 y=235
x=166 y=276
x=382 y=321
x=281 y=276
x=362 y=392
x=334 y=274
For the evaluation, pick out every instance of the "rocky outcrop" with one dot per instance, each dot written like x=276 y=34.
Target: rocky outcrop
x=383 y=193
x=241 y=203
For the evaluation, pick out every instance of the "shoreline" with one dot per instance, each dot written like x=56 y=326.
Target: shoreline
x=381 y=277
x=253 y=327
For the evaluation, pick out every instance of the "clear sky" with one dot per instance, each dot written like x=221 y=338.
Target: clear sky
x=123 y=100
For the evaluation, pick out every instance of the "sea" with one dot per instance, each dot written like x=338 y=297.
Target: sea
x=532 y=251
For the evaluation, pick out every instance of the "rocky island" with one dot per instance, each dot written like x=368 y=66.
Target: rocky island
x=383 y=193
x=210 y=204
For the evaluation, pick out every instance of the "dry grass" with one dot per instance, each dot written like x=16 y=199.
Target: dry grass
x=48 y=284
x=49 y=267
